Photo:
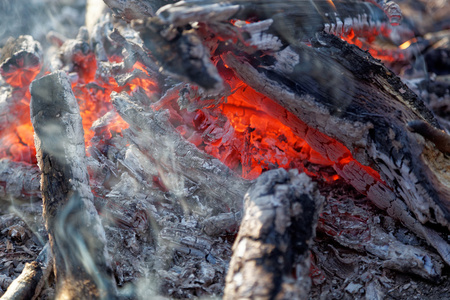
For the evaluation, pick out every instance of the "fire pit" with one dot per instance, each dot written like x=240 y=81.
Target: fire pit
x=238 y=149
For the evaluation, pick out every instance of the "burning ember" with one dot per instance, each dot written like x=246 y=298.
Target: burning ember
x=191 y=107
x=92 y=94
x=237 y=132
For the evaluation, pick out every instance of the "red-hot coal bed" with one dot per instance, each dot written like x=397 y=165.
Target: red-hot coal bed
x=227 y=149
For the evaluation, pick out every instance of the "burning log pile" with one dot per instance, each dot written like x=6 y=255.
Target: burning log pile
x=163 y=136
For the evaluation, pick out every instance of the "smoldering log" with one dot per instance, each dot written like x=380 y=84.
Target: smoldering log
x=182 y=167
x=179 y=53
x=280 y=217
x=334 y=92
x=22 y=53
x=374 y=125
x=30 y=282
x=76 y=236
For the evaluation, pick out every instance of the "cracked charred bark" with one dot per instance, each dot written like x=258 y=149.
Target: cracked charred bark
x=76 y=236
x=367 y=109
x=280 y=216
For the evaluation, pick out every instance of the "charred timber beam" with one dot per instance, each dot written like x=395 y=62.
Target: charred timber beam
x=33 y=277
x=280 y=217
x=76 y=236
x=186 y=166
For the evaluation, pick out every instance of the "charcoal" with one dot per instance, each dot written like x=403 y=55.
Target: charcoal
x=23 y=53
x=32 y=279
x=188 y=169
x=180 y=54
x=20 y=181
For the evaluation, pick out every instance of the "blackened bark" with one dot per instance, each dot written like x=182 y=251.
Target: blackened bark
x=76 y=236
x=280 y=217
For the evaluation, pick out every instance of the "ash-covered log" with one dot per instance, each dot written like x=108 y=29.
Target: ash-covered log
x=76 y=235
x=279 y=224
x=182 y=167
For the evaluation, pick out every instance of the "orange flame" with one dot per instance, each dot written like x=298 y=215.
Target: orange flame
x=366 y=40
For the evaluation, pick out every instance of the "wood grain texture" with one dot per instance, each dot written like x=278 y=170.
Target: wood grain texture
x=76 y=236
x=280 y=216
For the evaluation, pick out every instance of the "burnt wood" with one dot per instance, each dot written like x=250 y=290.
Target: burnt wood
x=280 y=216
x=340 y=100
x=19 y=181
x=179 y=163
x=22 y=53
x=32 y=279
x=76 y=236
x=366 y=108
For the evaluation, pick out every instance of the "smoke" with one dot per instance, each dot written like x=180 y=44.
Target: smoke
x=38 y=17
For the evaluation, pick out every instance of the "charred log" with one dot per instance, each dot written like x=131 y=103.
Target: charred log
x=187 y=167
x=345 y=104
x=373 y=125
x=342 y=221
x=29 y=284
x=281 y=212
x=76 y=236
x=182 y=54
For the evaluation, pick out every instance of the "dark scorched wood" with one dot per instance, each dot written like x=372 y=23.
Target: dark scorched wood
x=367 y=109
x=280 y=216
x=76 y=236
x=19 y=181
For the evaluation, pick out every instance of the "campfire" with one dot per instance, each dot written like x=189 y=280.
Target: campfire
x=236 y=149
